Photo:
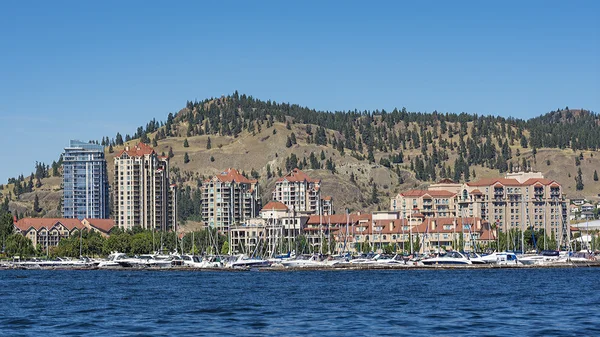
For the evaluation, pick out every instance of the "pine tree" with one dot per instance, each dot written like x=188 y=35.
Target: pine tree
x=208 y=144
x=374 y=194
x=185 y=143
x=186 y=158
x=36 y=204
x=595 y=175
x=579 y=180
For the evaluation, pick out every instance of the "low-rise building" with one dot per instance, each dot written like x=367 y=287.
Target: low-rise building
x=47 y=232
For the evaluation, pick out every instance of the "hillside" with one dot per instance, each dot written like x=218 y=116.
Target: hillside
x=392 y=151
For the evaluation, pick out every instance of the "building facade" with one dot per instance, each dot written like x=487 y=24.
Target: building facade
x=228 y=199
x=47 y=232
x=430 y=203
x=85 y=181
x=300 y=193
x=520 y=201
x=142 y=193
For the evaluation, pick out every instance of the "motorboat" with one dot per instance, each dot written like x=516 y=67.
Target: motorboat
x=502 y=258
x=243 y=261
x=302 y=262
x=545 y=257
x=193 y=261
x=475 y=258
x=59 y=262
x=114 y=260
x=450 y=258
x=384 y=260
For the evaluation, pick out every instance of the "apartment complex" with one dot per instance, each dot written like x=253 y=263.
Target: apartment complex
x=430 y=203
x=142 y=193
x=524 y=200
x=47 y=232
x=301 y=194
x=229 y=198
x=85 y=182
x=517 y=201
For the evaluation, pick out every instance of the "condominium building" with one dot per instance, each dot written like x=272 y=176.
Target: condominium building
x=229 y=198
x=85 y=182
x=521 y=201
x=300 y=193
x=47 y=232
x=518 y=201
x=142 y=193
x=430 y=203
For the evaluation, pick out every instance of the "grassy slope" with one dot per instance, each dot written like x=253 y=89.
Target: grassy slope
x=248 y=152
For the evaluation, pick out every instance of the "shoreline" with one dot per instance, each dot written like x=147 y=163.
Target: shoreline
x=340 y=267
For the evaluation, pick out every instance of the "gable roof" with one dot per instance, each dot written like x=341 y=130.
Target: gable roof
x=138 y=150
x=275 y=205
x=104 y=225
x=38 y=223
x=233 y=175
x=494 y=181
x=431 y=193
x=297 y=175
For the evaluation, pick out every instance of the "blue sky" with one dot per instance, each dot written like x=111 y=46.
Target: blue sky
x=88 y=69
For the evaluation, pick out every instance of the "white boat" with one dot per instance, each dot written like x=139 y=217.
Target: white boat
x=450 y=258
x=193 y=261
x=475 y=258
x=302 y=262
x=502 y=258
x=243 y=261
x=112 y=261
x=545 y=257
x=382 y=260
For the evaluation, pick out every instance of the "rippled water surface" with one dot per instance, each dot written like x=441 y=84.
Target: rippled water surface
x=540 y=302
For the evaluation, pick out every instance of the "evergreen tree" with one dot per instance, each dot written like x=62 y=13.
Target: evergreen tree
x=185 y=143
x=208 y=144
x=595 y=175
x=579 y=180
x=186 y=158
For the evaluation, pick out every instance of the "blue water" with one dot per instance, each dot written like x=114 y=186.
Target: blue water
x=532 y=302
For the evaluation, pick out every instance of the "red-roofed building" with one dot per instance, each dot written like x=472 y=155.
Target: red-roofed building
x=518 y=200
x=47 y=232
x=102 y=226
x=229 y=198
x=143 y=195
x=430 y=203
x=299 y=192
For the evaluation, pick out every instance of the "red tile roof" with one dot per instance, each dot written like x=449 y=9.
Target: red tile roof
x=431 y=193
x=104 y=225
x=493 y=181
x=275 y=205
x=327 y=198
x=138 y=150
x=534 y=181
x=475 y=191
x=298 y=176
x=37 y=223
x=233 y=175
x=337 y=219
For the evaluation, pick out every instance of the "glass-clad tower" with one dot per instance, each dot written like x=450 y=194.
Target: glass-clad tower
x=85 y=181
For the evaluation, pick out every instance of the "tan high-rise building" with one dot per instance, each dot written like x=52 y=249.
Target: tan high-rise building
x=300 y=193
x=229 y=198
x=142 y=193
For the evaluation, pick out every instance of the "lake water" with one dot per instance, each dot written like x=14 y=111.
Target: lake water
x=532 y=302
